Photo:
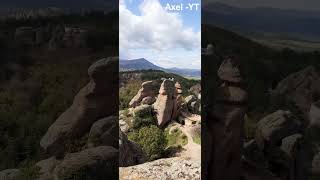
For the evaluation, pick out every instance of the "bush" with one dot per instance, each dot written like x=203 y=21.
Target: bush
x=126 y=93
x=139 y=122
x=151 y=139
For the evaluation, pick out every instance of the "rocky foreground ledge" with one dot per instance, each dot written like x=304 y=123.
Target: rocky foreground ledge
x=164 y=169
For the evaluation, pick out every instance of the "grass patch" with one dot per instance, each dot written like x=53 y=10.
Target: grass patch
x=197 y=139
x=176 y=137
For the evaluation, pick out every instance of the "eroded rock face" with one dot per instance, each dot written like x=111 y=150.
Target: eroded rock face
x=104 y=132
x=94 y=163
x=165 y=102
x=229 y=71
x=123 y=125
x=225 y=122
x=10 y=174
x=148 y=100
x=196 y=90
x=148 y=89
x=169 y=169
x=96 y=100
x=276 y=126
x=178 y=101
x=130 y=153
x=314 y=115
x=297 y=150
x=253 y=172
x=301 y=88
x=46 y=168
x=316 y=165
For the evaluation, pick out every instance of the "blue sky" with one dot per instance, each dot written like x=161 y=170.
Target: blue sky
x=166 y=38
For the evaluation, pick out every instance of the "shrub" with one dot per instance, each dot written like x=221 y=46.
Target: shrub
x=126 y=93
x=143 y=122
x=151 y=139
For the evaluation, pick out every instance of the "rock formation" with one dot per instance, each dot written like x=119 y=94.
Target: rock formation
x=93 y=163
x=316 y=165
x=196 y=90
x=314 y=115
x=165 y=102
x=178 y=101
x=95 y=101
x=10 y=174
x=104 y=132
x=225 y=124
x=46 y=168
x=276 y=126
x=149 y=89
x=279 y=148
x=301 y=88
x=193 y=104
x=170 y=168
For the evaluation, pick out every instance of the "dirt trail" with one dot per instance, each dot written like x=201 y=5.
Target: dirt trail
x=191 y=150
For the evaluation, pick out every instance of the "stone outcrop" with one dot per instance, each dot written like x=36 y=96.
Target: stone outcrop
x=193 y=104
x=104 y=132
x=316 y=165
x=296 y=148
x=276 y=126
x=165 y=102
x=94 y=163
x=224 y=123
x=314 y=115
x=46 y=168
x=302 y=88
x=10 y=174
x=148 y=89
x=130 y=153
x=169 y=169
x=178 y=101
x=95 y=101
x=253 y=172
x=196 y=90
x=278 y=148
x=123 y=125
x=148 y=100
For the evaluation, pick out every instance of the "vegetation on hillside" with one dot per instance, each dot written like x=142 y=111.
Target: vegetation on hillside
x=263 y=67
x=37 y=85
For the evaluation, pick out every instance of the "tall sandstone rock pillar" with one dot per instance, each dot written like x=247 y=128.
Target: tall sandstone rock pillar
x=165 y=102
x=225 y=121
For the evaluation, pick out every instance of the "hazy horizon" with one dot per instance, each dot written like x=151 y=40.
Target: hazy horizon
x=306 y=5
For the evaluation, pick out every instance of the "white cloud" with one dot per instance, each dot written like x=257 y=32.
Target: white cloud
x=154 y=29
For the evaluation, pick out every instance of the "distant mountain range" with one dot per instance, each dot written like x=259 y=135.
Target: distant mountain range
x=21 y=9
x=143 y=64
x=65 y=4
x=270 y=22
